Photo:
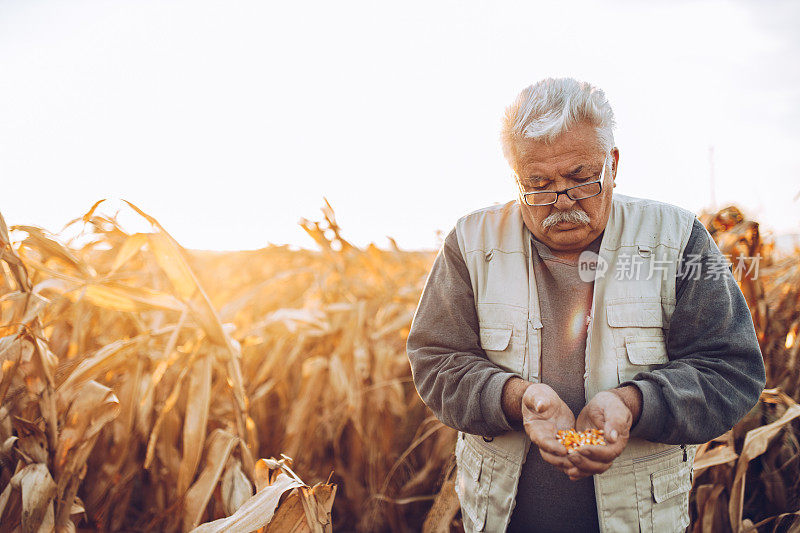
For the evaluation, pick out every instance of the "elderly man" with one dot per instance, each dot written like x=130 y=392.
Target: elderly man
x=573 y=307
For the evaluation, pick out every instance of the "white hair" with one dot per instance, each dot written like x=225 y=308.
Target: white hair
x=552 y=106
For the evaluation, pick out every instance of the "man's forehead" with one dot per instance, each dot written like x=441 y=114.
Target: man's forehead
x=531 y=157
x=537 y=150
x=579 y=143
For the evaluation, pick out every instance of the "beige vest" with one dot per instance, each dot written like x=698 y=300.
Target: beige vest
x=647 y=487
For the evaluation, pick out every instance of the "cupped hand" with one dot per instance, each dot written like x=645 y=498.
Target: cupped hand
x=608 y=412
x=543 y=414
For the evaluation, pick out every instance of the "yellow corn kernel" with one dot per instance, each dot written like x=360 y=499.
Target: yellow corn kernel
x=572 y=439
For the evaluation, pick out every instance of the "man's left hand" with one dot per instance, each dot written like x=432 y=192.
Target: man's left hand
x=608 y=412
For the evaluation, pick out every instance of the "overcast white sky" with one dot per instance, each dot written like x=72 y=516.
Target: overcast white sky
x=228 y=121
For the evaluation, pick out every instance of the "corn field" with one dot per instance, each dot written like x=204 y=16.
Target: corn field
x=146 y=387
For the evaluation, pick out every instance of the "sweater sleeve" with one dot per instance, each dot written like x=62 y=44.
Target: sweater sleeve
x=716 y=372
x=452 y=374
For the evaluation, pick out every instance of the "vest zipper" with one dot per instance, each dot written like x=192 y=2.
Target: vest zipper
x=526 y=355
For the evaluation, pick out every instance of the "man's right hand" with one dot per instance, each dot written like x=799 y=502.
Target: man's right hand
x=543 y=414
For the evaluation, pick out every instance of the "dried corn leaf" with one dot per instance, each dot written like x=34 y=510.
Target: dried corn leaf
x=317 y=503
x=7 y=459
x=12 y=353
x=12 y=259
x=256 y=512
x=196 y=419
x=129 y=395
x=710 y=521
x=165 y=410
x=4 y=497
x=38 y=240
x=20 y=308
x=219 y=448
x=234 y=487
x=305 y=510
x=111 y=295
x=261 y=474
x=90 y=408
x=88 y=215
x=717 y=456
x=31 y=444
x=444 y=509
x=132 y=245
x=170 y=258
x=132 y=300
x=45 y=362
x=91 y=368
x=755 y=444
x=38 y=489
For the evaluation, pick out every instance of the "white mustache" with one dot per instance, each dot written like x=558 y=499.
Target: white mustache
x=575 y=216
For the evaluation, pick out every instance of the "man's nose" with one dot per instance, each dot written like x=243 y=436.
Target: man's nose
x=563 y=203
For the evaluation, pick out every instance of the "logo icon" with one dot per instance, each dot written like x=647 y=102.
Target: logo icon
x=591 y=266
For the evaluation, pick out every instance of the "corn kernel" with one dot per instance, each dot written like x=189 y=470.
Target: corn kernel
x=572 y=439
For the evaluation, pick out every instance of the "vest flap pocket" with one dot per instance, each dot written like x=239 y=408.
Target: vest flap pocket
x=495 y=337
x=670 y=482
x=472 y=483
x=646 y=350
x=636 y=313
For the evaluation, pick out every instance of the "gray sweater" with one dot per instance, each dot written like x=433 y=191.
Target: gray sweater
x=714 y=377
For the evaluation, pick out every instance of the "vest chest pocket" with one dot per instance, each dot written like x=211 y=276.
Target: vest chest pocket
x=638 y=335
x=473 y=482
x=502 y=347
x=646 y=350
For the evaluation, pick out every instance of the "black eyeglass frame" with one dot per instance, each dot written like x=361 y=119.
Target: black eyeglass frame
x=599 y=181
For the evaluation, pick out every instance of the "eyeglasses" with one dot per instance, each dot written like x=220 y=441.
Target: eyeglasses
x=578 y=192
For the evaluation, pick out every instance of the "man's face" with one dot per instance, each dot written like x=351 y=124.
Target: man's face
x=573 y=158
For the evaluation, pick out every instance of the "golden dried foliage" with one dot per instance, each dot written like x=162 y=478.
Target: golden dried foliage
x=749 y=478
x=141 y=381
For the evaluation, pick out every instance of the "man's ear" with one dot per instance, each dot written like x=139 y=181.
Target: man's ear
x=614 y=165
